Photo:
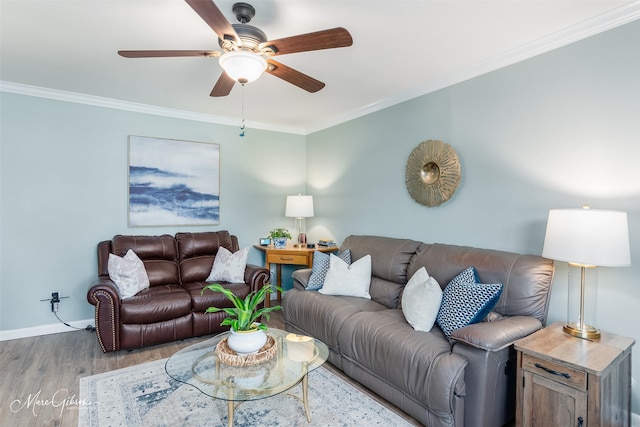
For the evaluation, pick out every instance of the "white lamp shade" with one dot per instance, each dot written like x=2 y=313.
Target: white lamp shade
x=299 y=206
x=590 y=237
x=243 y=66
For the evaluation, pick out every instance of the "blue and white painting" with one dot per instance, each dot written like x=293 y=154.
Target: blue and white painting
x=173 y=182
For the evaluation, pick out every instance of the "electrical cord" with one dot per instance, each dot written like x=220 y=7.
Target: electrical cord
x=88 y=328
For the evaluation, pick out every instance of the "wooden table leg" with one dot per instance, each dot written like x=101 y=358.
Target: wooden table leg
x=267 y=299
x=278 y=281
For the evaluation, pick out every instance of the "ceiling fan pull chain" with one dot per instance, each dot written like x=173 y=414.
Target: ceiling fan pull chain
x=242 y=126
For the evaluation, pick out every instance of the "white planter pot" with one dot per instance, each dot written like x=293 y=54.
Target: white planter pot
x=246 y=342
x=279 y=242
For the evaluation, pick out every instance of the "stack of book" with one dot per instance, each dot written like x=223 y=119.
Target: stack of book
x=326 y=242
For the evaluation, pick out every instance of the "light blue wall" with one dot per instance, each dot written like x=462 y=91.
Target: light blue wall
x=64 y=188
x=556 y=131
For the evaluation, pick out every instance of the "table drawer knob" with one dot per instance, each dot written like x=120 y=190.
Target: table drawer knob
x=551 y=371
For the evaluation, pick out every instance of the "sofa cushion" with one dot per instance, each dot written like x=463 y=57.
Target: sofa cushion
x=229 y=267
x=158 y=253
x=321 y=266
x=465 y=301
x=421 y=300
x=134 y=335
x=389 y=257
x=192 y=245
x=156 y=304
x=525 y=278
x=146 y=247
x=419 y=363
x=196 y=252
x=322 y=316
x=128 y=274
x=200 y=301
x=348 y=280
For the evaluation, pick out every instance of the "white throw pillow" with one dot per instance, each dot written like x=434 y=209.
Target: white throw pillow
x=348 y=280
x=128 y=273
x=229 y=267
x=421 y=300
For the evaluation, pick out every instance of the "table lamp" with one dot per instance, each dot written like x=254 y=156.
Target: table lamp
x=586 y=238
x=299 y=207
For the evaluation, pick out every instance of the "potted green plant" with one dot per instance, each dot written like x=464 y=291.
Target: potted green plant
x=247 y=334
x=279 y=237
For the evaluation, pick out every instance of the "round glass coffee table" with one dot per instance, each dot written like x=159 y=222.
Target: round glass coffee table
x=296 y=356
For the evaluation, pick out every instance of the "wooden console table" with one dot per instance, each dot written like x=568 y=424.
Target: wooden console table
x=289 y=256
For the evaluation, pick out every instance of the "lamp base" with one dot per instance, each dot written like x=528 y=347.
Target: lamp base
x=588 y=332
x=302 y=241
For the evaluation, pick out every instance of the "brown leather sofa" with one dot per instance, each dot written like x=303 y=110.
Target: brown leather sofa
x=172 y=307
x=467 y=380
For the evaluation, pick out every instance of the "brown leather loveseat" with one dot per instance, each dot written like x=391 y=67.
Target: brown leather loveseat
x=464 y=380
x=172 y=308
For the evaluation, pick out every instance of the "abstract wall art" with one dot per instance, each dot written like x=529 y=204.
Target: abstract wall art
x=173 y=182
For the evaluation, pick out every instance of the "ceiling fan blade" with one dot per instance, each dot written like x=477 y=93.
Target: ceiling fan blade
x=294 y=77
x=223 y=85
x=210 y=14
x=325 y=39
x=166 y=53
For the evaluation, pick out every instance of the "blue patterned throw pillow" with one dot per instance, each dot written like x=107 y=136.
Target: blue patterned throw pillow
x=321 y=266
x=465 y=301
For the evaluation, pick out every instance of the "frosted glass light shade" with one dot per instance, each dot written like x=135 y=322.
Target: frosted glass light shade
x=243 y=66
x=590 y=237
x=299 y=206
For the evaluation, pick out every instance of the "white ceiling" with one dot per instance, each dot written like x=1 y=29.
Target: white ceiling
x=402 y=49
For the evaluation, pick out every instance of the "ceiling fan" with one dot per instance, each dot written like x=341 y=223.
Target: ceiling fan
x=246 y=51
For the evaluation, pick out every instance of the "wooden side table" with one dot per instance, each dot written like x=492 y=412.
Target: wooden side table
x=289 y=256
x=567 y=381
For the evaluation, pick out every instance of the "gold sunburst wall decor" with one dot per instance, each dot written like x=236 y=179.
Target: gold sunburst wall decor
x=433 y=172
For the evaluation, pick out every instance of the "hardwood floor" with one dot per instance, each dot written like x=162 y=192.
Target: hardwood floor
x=41 y=375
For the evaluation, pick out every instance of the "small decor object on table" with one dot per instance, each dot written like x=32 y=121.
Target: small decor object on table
x=327 y=243
x=265 y=241
x=279 y=237
x=247 y=335
x=230 y=357
x=300 y=348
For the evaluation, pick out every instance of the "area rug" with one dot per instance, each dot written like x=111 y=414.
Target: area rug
x=145 y=395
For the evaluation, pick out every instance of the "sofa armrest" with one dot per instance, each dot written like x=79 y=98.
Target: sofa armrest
x=301 y=278
x=256 y=277
x=105 y=296
x=496 y=335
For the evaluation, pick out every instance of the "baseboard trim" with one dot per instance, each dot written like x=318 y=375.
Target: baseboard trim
x=53 y=328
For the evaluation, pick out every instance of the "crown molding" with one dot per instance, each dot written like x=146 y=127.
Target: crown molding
x=97 y=101
x=612 y=19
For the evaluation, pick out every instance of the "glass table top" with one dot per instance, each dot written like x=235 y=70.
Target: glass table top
x=199 y=366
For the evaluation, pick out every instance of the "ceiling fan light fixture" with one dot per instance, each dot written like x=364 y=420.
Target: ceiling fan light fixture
x=243 y=66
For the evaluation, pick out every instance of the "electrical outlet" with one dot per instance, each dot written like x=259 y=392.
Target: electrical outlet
x=55 y=301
